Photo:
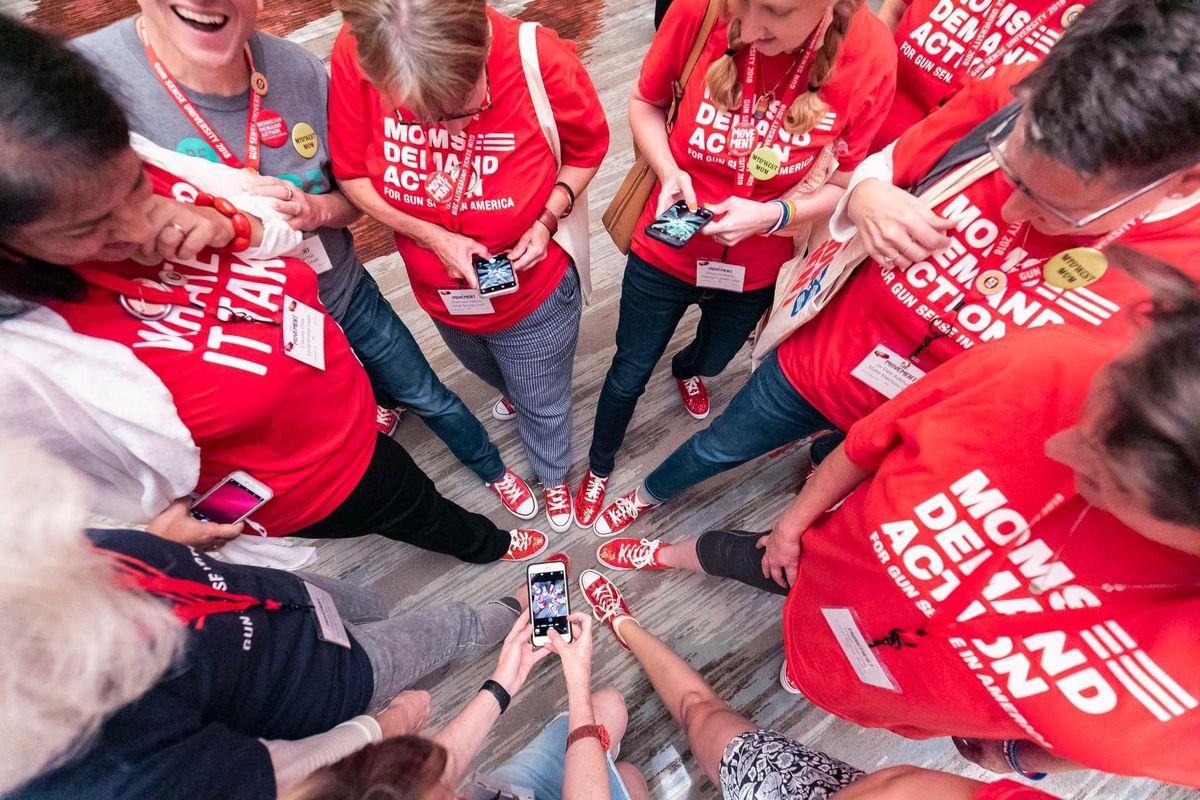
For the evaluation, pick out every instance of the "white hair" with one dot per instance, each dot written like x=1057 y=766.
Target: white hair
x=74 y=648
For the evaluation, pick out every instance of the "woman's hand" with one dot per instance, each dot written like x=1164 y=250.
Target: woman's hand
x=302 y=211
x=457 y=254
x=406 y=714
x=897 y=228
x=172 y=230
x=531 y=248
x=517 y=656
x=676 y=186
x=781 y=562
x=177 y=525
x=576 y=655
x=986 y=753
x=743 y=219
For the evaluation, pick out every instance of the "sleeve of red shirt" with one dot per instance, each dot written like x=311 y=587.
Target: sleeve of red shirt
x=670 y=49
x=919 y=148
x=351 y=104
x=582 y=127
x=1011 y=790
x=874 y=91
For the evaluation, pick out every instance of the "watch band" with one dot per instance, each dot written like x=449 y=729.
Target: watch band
x=549 y=220
x=570 y=197
x=590 y=732
x=499 y=692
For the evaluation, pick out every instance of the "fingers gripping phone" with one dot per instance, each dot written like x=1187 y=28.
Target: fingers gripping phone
x=678 y=224
x=496 y=277
x=234 y=498
x=549 y=601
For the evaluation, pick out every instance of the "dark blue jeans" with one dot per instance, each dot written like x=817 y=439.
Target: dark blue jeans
x=652 y=303
x=765 y=414
x=399 y=370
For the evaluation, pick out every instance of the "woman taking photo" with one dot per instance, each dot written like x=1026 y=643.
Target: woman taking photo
x=777 y=88
x=207 y=349
x=435 y=133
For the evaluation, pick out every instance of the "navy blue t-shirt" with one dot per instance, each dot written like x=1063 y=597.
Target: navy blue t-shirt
x=244 y=676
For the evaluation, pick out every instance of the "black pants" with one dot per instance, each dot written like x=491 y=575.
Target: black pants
x=660 y=9
x=397 y=500
x=735 y=555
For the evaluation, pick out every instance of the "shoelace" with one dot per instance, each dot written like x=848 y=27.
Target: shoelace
x=640 y=555
x=624 y=508
x=519 y=540
x=606 y=601
x=692 y=385
x=509 y=487
x=558 y=498
x=594 y=487
x=382 y=415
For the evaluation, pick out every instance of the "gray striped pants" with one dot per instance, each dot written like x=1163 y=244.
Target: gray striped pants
x=531 y=362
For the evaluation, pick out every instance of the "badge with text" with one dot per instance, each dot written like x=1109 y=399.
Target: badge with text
x=304 y=139
x=1074 y=268
x=329 y=621
x=465 y=302
x=742 y=137
x=258 y=83
x=866 y=665
x=1071 y=14
x=991 y=281
x=440 y=187
x=303 y=332
x=887 y=372
x=142 y=308
x=718 y=275
x=272 y=129
x=312 y=251
x=763 y=163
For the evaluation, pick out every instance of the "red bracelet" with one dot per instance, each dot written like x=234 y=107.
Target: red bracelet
x=549 y=220
x=241 y=224
x=590 y=732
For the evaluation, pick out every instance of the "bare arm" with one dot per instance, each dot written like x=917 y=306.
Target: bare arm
x=585 y=770
x=649 y=125
x=891 y=11
x=910 y=783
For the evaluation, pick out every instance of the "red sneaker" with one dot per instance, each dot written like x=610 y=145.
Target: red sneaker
x=514 y=493
x=694 y=396
x=608 y=605
x=525 y=544
x=561 y=558
x=558 y=507
x=589 y=499
x=785 y=681
x=387 y=420
x=627 y=554
x=504 y=410
x=621 y=514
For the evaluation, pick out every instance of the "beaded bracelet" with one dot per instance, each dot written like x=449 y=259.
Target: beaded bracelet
x=1010 y=755
x=239 y=221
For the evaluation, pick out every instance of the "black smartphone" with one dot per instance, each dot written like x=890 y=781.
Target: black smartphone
x=496 y=277
x=549 y=601
x=678 y=224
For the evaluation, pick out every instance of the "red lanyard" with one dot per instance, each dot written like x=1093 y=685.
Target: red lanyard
x=745 y=180
x=972 y=72
x=190 y=600
x=464 y=177
x=126 y=287
x=253 y=153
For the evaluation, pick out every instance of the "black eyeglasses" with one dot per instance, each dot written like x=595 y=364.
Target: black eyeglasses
x=486 y=106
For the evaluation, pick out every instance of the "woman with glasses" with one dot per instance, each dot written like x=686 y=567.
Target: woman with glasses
x=1021 y=244
x=435 y=132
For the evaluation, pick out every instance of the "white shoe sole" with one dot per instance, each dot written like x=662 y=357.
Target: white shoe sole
x=503 y=416
x=783 y=679
x=696 y=416
x=560 y=528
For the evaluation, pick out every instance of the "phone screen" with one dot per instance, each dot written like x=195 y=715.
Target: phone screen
x=226 y=504
x=678 y=224
x=496 y=275
x=548 y=602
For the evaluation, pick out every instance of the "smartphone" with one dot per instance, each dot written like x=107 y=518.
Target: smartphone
x=678 y=224
x=549 y=601
x=234 y=498
x=496 y=277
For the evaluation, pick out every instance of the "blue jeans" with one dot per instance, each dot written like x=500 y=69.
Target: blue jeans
x=540 y=765
x=399 y=370
x=652 y=303
x=765 y=414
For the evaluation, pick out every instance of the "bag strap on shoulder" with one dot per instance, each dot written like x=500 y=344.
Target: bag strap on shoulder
x=968 y=148
x=677 y=88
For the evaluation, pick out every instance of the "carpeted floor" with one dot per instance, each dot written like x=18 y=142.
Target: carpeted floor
x=729 y=633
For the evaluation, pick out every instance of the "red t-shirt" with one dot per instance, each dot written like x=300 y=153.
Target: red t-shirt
x=1011 y=790
x=514 y=169
x=858 y=95
x=899 y=308
x=937 y=534
x=934 y=36
x=306 y=433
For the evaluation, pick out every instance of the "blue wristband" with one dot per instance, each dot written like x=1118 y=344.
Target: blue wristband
x=1010 y=755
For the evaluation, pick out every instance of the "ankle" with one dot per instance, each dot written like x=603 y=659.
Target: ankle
x=619 y=620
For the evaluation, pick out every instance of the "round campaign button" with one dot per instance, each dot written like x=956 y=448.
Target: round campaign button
x=258 y=83
x=1071 y=14
x=272 y=129
x=304 y=139
x=763 y=164
x=142 y=308
x=742 y=136
x=439 y=186
x=991 y=281
x=1074 y=268
x=172 y=278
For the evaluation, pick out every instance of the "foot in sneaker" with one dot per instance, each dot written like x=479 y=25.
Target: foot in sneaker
x=387 y=420
x=504 y=410
x=608 y=605
x=514 y=493
x=694 y=396
x=627 y=554
x=561 y=558
x=621 y=514
x=558 y=507
x=525 y=544
x=589 y=499
x=787 y=685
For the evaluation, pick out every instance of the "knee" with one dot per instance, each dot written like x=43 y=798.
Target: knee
x=626 y=380
x=608 y=705
x=634 y=780
x=697 y=708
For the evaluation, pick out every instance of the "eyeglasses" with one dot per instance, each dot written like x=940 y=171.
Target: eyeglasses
x=999 y=136
x=487 y=104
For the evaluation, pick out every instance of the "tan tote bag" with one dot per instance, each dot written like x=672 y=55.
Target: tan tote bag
x=574 y=234
x=808 y=282
x=620 y=219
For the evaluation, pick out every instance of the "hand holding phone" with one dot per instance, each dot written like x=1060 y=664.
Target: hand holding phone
x=496 y=276
x=235 y=497
x=576 y=653
x=549 y=601
x=678 y=224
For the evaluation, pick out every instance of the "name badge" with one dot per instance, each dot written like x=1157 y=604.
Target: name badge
x=312 y=251
x=329 y=621
x=887 y=372
x=465 y=302
x=716 y=275
x=858 y=651
x=303 y=332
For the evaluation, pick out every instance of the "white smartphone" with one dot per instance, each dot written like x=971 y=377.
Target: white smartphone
x=235 y=497
x=549 y=601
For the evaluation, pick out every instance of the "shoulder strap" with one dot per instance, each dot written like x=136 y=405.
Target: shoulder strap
x=968 y=148
x=706 y=26
x=527 y=40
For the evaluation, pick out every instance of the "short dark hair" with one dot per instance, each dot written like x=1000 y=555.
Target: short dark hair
x=1121 y=91
x=401 y=768
x=1152 y=430
x=56 y=120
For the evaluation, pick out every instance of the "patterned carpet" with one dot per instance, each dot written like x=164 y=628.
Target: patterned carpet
x=730 y=633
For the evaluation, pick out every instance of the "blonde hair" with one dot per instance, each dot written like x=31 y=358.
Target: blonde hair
x=725 y=86
x=427 y=54
x=73 y=647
